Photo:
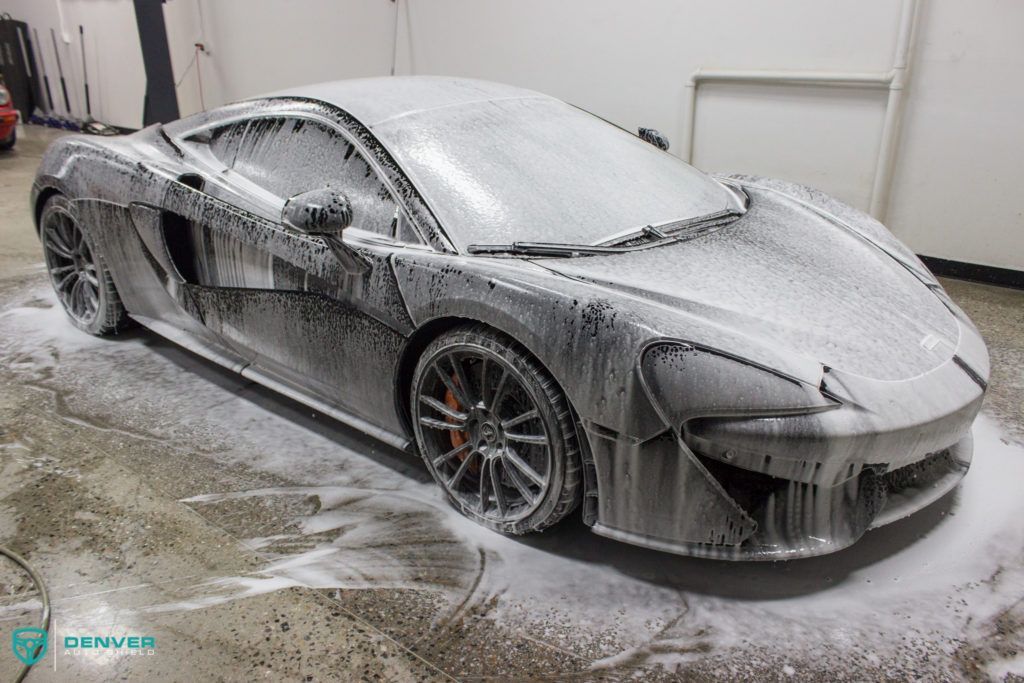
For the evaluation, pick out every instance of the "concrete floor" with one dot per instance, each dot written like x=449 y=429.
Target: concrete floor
x=162 y=496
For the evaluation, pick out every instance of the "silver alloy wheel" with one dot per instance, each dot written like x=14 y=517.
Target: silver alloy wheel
x=485 y=439
x=72 y=266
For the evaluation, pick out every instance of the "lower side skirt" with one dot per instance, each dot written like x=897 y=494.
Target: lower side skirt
x=238 y=365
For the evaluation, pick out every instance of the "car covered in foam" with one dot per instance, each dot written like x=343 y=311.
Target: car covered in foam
x=554 y=313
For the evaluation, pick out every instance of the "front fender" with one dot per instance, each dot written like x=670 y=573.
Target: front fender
x=585 y=340
x=650 y=489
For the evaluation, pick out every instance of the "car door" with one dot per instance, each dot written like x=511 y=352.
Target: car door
x=282 y=299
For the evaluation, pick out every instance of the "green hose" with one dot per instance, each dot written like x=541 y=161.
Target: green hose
x=38 y=581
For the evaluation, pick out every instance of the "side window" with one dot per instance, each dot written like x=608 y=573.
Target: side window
x=404 y=230
x=224 y=142
x=286 y=156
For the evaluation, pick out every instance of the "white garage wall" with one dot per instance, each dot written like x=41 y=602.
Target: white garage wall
x=117 y=79
x=958 y=172
x=630 y=64
x=257 y=46
x=956 y=188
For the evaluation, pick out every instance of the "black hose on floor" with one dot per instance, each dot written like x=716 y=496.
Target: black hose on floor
x=38 y=581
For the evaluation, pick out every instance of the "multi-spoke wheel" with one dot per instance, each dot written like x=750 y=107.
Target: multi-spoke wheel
x=495 y=431
x=78 y=274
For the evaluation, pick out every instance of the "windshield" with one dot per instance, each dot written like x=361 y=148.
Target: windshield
x=535 y=169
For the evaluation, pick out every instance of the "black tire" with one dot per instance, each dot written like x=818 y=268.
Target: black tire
x=9 y=142
x=492 y=363
x=106 y=315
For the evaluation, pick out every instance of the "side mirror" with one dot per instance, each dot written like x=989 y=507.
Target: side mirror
x=323 y=212
x=654 y=137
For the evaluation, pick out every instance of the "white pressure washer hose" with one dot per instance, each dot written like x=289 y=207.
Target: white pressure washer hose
x=38 y=581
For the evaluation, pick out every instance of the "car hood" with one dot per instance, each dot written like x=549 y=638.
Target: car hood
x=797 y=279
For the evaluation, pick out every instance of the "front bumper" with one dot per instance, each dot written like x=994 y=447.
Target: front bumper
x=754 y=486
x=717 y=511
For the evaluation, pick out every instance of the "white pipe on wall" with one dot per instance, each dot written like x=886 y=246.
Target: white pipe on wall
x=825 y=78
x=893 y=112
x=893 y=80
x=60 y=24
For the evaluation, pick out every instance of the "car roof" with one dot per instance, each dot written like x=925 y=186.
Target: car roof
x=376 y=100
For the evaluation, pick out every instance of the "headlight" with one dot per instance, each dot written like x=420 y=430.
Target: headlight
x=5 y=97
x=685 y=381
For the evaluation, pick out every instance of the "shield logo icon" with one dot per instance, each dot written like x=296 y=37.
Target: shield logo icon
x=29 y=644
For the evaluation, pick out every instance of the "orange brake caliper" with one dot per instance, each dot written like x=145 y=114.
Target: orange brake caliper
x=458 y=437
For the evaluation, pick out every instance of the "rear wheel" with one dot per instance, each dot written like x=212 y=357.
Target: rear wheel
x=9 y=142
x=495 y=431
x=77 y=271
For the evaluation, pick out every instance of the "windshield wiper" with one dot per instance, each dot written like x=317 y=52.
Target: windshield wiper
x=673 y=230
x=653 y=232
x=540 y=249
x=678 y=227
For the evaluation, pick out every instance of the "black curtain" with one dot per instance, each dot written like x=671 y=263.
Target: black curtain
x=161 y=103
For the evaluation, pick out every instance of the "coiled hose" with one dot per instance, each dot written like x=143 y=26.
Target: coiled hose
x=38 y=581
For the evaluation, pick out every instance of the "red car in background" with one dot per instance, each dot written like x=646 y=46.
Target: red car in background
x=8 y=120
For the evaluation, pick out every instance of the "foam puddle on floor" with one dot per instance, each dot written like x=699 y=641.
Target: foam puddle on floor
x=923 y=587
x=944 y=587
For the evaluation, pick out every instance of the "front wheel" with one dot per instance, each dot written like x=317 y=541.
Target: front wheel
x=495 y=431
